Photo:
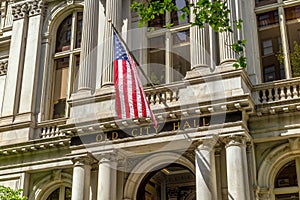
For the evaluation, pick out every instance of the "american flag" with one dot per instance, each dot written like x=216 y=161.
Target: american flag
x=131 y=100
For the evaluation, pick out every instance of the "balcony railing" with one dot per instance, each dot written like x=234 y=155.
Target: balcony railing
x=277 y=91
x=50 y=129
x=162 y=95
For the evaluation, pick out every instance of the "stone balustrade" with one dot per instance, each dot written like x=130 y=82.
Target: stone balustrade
x=277 y=91
x=51 y=129
x=161 y=95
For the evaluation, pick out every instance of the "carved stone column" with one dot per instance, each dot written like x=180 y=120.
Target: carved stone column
x=107 y=177
x=206 y=186
x=81 y=178
x=113 y=11
x=88 y=56
x=16 y=61
x=31 y=61
x=237 y=173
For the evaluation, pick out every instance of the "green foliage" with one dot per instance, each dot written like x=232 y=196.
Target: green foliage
x=215 y=14
x=7 y=193
x=295 y=60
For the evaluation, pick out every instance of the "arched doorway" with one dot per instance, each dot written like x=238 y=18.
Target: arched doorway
x=172 y=182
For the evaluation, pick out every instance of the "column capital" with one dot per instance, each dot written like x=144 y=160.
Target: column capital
x=107 y=157
x=83 y=160
x=20 y=10
x=36 y=7
x=235 y=140
x=208 y=143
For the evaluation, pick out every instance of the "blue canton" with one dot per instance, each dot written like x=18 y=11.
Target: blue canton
x=119 y=52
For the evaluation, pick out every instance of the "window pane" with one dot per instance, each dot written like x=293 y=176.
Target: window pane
x=287 y=176
x=270 y=44
x=54 y=195
x=268 y=18
x=156 y=59
x=264 y=2
x=294 y=196
x=79 y=30
x=180 y=55
x=63 y=37
x=60 y=87
x=292 y=13
x=75 y=74
x=175 y=16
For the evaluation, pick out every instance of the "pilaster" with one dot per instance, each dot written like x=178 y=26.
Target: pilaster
x=15 y=62
x=31 y=61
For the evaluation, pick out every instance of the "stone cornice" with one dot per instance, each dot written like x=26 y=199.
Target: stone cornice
x=36 y=145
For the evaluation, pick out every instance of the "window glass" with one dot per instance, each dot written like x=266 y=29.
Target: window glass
x=63 y=37
x=268 y=18
x=267 y=47
x=264 y=2
x=175 y=16
x=61 y=193
x=287 y=176
x=79 y=30
x=180 y=54
x=60 y=87
x=292 y=13
x=54 y=195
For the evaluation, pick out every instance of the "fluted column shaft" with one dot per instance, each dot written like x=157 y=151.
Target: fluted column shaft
x=81 y=178
x=206 y=186
x=226 y=38
x=199 y=45
x=237 y=173
x=113 y=11
x=88 y=56
x=107 y=178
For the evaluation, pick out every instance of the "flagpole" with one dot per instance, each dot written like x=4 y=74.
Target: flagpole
x=133 y=57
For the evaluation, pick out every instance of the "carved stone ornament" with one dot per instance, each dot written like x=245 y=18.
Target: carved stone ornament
x=36 y=7
x=84 y=160
x=3 y=67
x=20 y=11
x=235 y=140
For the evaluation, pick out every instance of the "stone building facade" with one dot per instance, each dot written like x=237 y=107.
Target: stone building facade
x=222 y=133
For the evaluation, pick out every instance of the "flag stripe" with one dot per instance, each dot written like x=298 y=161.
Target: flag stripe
x=131 y=101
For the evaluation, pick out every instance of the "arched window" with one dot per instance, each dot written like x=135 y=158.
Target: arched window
x=61 y=193
x=286 y=182
x=66 y=62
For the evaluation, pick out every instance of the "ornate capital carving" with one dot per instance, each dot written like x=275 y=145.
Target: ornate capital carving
x=3 y=67
x=235 y=140
x=208 y=143
x=20 y=10
x=36 y=7
x=83 y=160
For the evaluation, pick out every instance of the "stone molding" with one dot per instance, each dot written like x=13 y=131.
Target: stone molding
x=235 y=140
x=3 y=67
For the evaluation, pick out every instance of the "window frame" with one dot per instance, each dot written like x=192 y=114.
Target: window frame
x=280 y=7
x=71 y=53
